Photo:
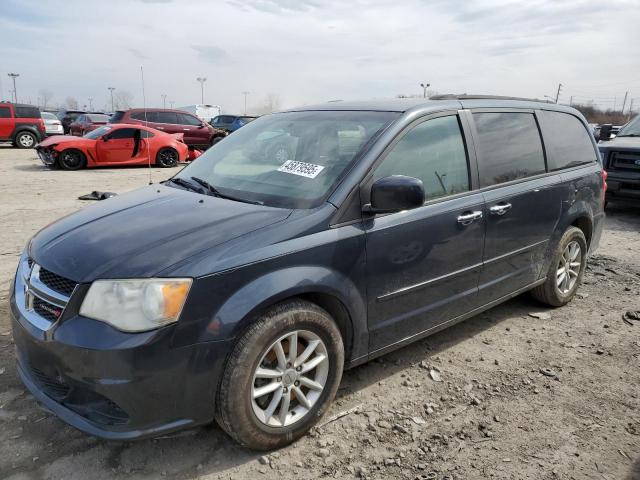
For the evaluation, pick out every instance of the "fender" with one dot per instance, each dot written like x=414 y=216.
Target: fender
x=240 y=309
x=21 y=127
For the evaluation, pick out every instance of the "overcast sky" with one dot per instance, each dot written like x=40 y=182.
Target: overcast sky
x=310 y=51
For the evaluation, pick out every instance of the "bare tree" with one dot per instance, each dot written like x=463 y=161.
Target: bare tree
x=45 y=96
x=122 y=99
x=71 y=103
x=271 y=104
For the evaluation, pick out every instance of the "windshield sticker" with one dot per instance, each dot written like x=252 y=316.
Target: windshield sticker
x=301 y=169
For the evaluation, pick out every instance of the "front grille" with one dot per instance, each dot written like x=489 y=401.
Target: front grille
x=56 y=282
x=54 y=388
x=625 y=161
x=46 y=310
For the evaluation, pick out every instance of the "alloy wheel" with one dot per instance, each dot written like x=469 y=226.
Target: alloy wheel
x=569 y=267
x=26 y=140
x=289 y=378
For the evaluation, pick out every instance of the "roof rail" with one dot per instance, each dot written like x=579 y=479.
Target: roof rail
x=464 y=96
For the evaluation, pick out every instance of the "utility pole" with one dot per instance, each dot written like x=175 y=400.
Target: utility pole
x=558 y=92
x=90 y=103
x=424 y=89
x=164 y=100
x=15 y=92
x=201 y=80
x=624 y=102
x=245 y=101
x=571 y=101
x=630 y=109
x=111 y=89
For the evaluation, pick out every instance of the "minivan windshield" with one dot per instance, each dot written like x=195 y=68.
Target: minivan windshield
x=631 y=129
x=290 y=160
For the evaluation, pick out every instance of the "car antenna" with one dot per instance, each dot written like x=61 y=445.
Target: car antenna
x=146 y=124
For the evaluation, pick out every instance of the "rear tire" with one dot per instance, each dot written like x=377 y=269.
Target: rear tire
x=25 y=139
x=565 y=271
x=302 y=392
x=167 y=157
x=72 y=159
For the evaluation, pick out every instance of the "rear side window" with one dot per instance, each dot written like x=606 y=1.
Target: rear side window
x=27 y=112
x=167 y=117
x=433 y=152
x=567 y=141
x=5 y=112
x=509 y=146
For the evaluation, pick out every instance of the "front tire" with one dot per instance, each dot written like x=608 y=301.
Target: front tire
x=566 y=270
x=25 y=140
x=71 y=159
x=167 y=157
x=281 y=376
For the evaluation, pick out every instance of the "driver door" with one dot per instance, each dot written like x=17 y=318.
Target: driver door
x=116 y=146
x=423 y=264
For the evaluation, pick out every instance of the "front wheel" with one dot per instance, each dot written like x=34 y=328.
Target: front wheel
x=566 y=270
x=167 y=157
x=72 y=159
x=281 y=376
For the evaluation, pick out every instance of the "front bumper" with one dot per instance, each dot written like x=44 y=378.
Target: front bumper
x=627 y=188
x=110 y=384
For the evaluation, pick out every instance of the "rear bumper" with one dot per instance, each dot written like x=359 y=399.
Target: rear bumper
x=113 y=385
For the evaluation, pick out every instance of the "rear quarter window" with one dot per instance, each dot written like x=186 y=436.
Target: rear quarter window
x=27 y=112
x=5 y=112
x=509 y=146
x=567 y=141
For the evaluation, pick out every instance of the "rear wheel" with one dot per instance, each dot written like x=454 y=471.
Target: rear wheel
x=566 y=270
x=167 y=157
x=25 y=140
x=281 y=376
x=72 y=159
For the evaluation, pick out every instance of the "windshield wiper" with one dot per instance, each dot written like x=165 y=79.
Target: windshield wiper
x=186 y=184
x=217 y=193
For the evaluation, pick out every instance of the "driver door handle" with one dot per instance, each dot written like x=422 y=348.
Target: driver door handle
x=500 y=208
x=468 y=218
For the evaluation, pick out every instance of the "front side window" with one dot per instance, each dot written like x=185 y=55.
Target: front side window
x=567 y=141
x=122 y=133
x=290 y=160
x=166 y=117
x=509 y=147
x=188 y=120
x=433 y=152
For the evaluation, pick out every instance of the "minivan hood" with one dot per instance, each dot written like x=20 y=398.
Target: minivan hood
x=621 y=143
x=140 y=233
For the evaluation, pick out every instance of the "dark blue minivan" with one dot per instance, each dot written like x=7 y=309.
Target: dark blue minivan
x=307 y=242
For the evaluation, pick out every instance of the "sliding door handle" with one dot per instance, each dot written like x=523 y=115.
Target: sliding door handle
x=468 y=218
x=500 y=208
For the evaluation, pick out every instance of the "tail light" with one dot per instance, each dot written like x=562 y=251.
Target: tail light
x=41 y=126
x=604 y=175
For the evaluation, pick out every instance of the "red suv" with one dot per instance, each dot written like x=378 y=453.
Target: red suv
x=20 y=124
x=196 y=132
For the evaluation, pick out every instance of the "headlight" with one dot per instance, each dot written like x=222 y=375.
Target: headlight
x=136 y=305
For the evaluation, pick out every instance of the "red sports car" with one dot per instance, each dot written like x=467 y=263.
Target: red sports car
x=87 y=122
x=114 y=144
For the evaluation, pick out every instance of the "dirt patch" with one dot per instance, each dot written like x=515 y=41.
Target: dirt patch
x=519 y=397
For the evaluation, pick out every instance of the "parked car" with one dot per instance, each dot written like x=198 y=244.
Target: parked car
x=226 y=124
x=52 y=125
x=87 y=122
x=307 y=242
x=202 y=111
x=621 y=159
x=22 y=125
x=113 y=145
x=67 y=117
x=196 y=132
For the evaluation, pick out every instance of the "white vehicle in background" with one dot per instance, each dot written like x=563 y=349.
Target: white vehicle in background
x=52 y=124
x=203 y=111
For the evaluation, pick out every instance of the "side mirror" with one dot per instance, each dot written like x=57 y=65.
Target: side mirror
x=395 y=193
x=202 y=125
x=105 y=138
x=605 y=132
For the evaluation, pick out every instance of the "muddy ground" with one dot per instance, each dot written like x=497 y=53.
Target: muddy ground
x=494 y=414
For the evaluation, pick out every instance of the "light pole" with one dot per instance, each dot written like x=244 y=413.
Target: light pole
x=90 y=103
x=164 y=100
x=111 y=89
x=424 y=89
x=15 y=92
x=245 y=101
x=171 y=102
x=201 y=80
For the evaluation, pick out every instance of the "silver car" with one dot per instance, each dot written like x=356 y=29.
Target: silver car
x=51 y=124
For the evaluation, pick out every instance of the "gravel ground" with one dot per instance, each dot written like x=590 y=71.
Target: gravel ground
x=524 y=392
